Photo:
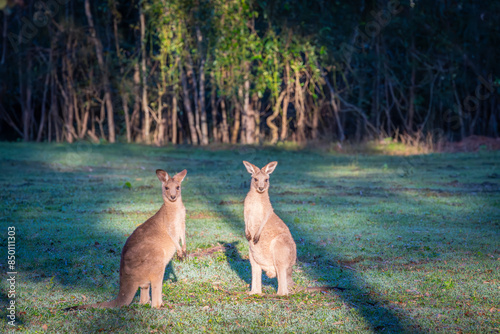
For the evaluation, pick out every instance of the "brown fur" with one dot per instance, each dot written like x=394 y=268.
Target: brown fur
x=272 y=248
x=150 y=248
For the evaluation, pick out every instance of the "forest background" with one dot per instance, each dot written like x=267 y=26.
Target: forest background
x=248 y=71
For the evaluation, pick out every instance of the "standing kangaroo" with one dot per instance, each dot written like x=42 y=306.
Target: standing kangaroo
x=150 y=248
x=272 y=248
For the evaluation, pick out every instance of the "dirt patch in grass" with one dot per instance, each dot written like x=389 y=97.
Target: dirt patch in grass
x=437 y=193
x=230 y=202
x=202 y=215
x=351 y=261
x=209 y=251
x=303 y=193
x=145 y=187
x=113 y=211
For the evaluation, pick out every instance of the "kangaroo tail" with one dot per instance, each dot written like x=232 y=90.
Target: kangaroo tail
x=125 y=296
x=109 y=304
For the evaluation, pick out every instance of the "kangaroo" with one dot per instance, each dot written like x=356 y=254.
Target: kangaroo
x=272 y=248
x=150 y=248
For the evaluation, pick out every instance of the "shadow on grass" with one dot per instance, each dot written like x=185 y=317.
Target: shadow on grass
x=5 y=302
x=236 y=262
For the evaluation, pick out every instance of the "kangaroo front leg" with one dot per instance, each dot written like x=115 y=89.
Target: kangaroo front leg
x=183 y=240
x=248 y=235
x=256 y=237
x=256 y=276
x=177 y=247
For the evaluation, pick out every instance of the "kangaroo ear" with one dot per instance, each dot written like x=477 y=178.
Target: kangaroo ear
x=162 y=175
x=251 y=168
x=180 y=176
x=269 y=168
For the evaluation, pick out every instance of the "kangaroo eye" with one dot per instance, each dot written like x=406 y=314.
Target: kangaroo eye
x=256 y=180
x=166 y=188
x=178 y=188
x=267 y=180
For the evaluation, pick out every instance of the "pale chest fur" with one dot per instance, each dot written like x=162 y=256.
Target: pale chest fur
x=175 y=217
x=256 y=209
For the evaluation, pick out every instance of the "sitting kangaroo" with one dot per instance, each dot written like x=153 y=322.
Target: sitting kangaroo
x=272 y=248
x=150 y=248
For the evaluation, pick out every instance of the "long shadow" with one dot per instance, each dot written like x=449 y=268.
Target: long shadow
x=357 y=293
x=236 y=262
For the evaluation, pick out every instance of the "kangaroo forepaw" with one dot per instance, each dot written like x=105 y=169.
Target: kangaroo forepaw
x=181 y=256
x=248 y=236
x=256 y=239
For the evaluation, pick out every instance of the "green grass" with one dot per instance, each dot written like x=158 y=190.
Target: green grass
x=413 y=240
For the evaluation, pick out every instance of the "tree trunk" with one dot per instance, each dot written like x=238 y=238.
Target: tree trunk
x=187 y=107
x=124 y=95
x=270 y=118
x=236 y=126
x=146 y=125
x=159 y=135
x=192 y=78
x=202 y=105
x=135 y=118
x=174 y=119
x=256 y=104
x=299 y=106
x=44 y=105
x=411 y=107
x=284 y=120
x=28 y=110
x=203 y=111
x=335 y=108
x=242 y=116
x=103 y=69
x=315 y=120
x=66 y=91
x=213 y=94
x=249 y=113
x=4 y=41
x=460 y=112
x=225 y=127
x=53 y=107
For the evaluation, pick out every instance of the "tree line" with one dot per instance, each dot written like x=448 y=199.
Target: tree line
x=248 y=71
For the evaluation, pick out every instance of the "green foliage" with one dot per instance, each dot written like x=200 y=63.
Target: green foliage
x=391 y=68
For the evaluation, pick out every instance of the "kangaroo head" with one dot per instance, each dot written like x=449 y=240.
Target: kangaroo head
x=171 y=186
x=260 y=177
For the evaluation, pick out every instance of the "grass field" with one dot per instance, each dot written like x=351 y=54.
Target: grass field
x=414 y=241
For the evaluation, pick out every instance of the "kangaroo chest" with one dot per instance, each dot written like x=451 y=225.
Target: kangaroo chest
x=254 y=214
x=175 y=224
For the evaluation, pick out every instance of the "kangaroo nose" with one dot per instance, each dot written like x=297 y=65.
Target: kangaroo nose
x=173 y=197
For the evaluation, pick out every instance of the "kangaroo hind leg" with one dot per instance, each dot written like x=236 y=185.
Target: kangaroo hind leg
x=156 y=290
x=128 y=288
x=282 y=281
x=256 y=276
x=144 y=294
